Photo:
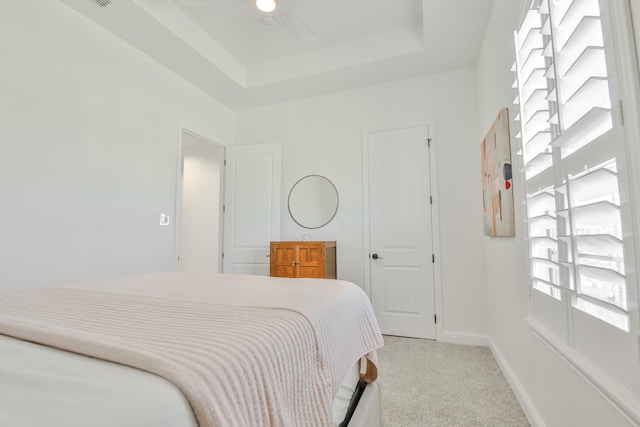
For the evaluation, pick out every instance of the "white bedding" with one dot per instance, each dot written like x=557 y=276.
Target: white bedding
x=91 y=392
x=43 y=386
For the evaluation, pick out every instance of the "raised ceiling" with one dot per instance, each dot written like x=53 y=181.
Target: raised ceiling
x=245 y=59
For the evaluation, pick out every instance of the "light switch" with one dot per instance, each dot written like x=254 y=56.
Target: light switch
x=164 y=219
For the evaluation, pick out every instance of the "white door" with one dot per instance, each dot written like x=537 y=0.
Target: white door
x=401 y=249
x=252 y=207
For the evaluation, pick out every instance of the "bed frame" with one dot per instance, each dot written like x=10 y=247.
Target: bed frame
x=365 y=409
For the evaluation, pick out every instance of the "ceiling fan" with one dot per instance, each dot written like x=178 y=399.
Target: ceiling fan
x=275 y=12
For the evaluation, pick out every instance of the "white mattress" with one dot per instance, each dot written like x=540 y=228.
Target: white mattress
x=44 y=386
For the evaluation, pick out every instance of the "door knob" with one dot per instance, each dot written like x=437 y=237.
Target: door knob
x=376 y=256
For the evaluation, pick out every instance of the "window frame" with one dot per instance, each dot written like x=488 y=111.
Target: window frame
x=579 y=338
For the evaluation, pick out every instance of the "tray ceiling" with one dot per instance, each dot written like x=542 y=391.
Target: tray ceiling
x=306 y=48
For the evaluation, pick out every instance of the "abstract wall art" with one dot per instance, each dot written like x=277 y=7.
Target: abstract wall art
x=497 y=179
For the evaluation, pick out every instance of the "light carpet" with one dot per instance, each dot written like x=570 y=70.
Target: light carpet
x=428 y=383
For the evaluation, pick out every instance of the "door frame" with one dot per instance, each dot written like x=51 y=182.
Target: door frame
x=435 y=222
x=178 y=196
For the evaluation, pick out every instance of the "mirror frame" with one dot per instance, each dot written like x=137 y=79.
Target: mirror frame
x=335 y=211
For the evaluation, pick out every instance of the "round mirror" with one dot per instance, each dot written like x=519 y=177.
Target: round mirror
x=313 y=201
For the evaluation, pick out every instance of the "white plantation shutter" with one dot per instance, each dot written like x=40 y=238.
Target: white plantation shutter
x=568 y=135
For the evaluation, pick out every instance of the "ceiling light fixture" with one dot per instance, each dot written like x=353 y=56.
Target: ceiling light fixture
x=266 y=5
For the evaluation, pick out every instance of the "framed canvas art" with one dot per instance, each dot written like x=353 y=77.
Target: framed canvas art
x=497 y=179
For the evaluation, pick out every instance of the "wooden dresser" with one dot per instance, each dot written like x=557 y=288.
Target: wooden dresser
x=304 y=259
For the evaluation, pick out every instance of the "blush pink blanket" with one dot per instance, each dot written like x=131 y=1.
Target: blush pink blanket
x=245 y=350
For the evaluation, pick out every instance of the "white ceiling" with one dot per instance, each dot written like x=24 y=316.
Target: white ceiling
x=312 y=47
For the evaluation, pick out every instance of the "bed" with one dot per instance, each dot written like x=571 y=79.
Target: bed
x=181 y=349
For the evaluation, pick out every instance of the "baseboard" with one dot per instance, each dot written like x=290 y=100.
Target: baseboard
x=454 y=337
x=523 y=398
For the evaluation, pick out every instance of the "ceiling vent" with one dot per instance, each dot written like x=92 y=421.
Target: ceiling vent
x=103 y=3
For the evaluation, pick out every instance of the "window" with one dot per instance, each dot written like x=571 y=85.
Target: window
x=576 y=69
x=569 y=134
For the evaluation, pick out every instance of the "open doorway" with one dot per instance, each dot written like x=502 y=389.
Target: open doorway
x=199 y=205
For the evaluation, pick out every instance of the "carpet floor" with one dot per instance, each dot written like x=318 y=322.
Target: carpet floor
x=428 y=383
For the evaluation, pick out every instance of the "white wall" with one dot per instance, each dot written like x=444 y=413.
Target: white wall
x=552 y=392
x=635 y=15
x=323 y=135
x=88 y=148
